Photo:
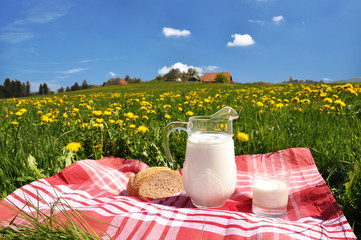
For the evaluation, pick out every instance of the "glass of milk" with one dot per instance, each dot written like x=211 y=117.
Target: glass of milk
x=209 y=169
x=270 y=191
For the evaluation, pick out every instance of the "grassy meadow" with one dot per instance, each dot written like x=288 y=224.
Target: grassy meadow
x=39 y=136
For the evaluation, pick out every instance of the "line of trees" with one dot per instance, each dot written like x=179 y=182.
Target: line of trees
x=14 y=88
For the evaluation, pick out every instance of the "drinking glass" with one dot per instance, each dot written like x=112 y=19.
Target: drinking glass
x=270 y=191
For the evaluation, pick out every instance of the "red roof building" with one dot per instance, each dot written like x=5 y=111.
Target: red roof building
x=122 y=81
x=211 y=77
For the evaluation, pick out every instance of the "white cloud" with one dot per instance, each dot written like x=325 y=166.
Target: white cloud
x=171 y=32
x=278 y=19
x=16 y=37
x=326 y=79
x=89 y=60
x=210 y=68
x=184 y=68
x=112 y=74
x=18 y=30
x=72 y=71
x=241 y=40
x=256 y=21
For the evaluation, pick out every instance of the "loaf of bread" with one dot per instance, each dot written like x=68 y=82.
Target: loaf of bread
x=155 y=182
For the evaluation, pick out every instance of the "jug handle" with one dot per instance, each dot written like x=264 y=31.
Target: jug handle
x=167 y=131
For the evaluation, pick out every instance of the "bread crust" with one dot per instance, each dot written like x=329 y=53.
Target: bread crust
x=155 y=182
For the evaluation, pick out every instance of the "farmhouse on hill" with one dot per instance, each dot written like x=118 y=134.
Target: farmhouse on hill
x=122 y=81
x=211 y=77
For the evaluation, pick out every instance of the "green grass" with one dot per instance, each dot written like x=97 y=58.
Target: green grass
x=289 y=116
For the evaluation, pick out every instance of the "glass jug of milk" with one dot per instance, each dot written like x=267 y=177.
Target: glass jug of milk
x=209 y=169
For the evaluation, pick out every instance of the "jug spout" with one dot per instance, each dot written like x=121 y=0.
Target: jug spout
x=226 y=113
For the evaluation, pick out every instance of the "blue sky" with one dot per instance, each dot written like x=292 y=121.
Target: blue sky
x=62 y=42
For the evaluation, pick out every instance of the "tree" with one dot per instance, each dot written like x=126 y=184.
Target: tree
x=61 y=89
x=192 y=72
x=46 y=89
x=41 y=89
x=84 y=85
x=127 y=78
x=75 y=87
x=67 y=89
x=173 y=74
x=222 y=78
x=7 y=88
x=27 y=88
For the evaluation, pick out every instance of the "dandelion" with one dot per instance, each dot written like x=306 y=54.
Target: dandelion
x=132 y=126
x=279 y=105
x=167 y=116
x=16 y=124
x=259 y=104
x=143 y=129
x=329 y=100
x=295 y=99
x=166 y=106
x=73 y=146
x=143 y=108
x=108 y=113
x=97 y=113
x=340 y=102
x=145 y=117
x=305 y=101
x=129 y=115
x=189 y=113
x=99 y=120
x=243 y=137
x=119 y=122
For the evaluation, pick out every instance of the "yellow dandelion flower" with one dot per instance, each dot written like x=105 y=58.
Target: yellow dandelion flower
x=132 y=126
x=45 y=118
x=143 y=129
x=243 y=137
x=76 y=110
x=119 y=122
x=340 y=102
x=329 y=100
x=295 y=99
x=305 y=101
x=143 y=108
x=166 y=106
x=16 y=124
x=259 y=104
x=129 y=115
x=73 y=146
x=97 y=113
x=108 y=113
x=145 y=117
x=167 y=116
x=279 y=105
x=326 y=106
x=99 y=120
x=189 y=113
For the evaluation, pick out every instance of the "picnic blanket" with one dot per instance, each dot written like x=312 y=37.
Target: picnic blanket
x=96 y=188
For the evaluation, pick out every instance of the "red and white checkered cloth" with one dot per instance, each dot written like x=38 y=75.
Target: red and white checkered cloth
x=96 y=188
